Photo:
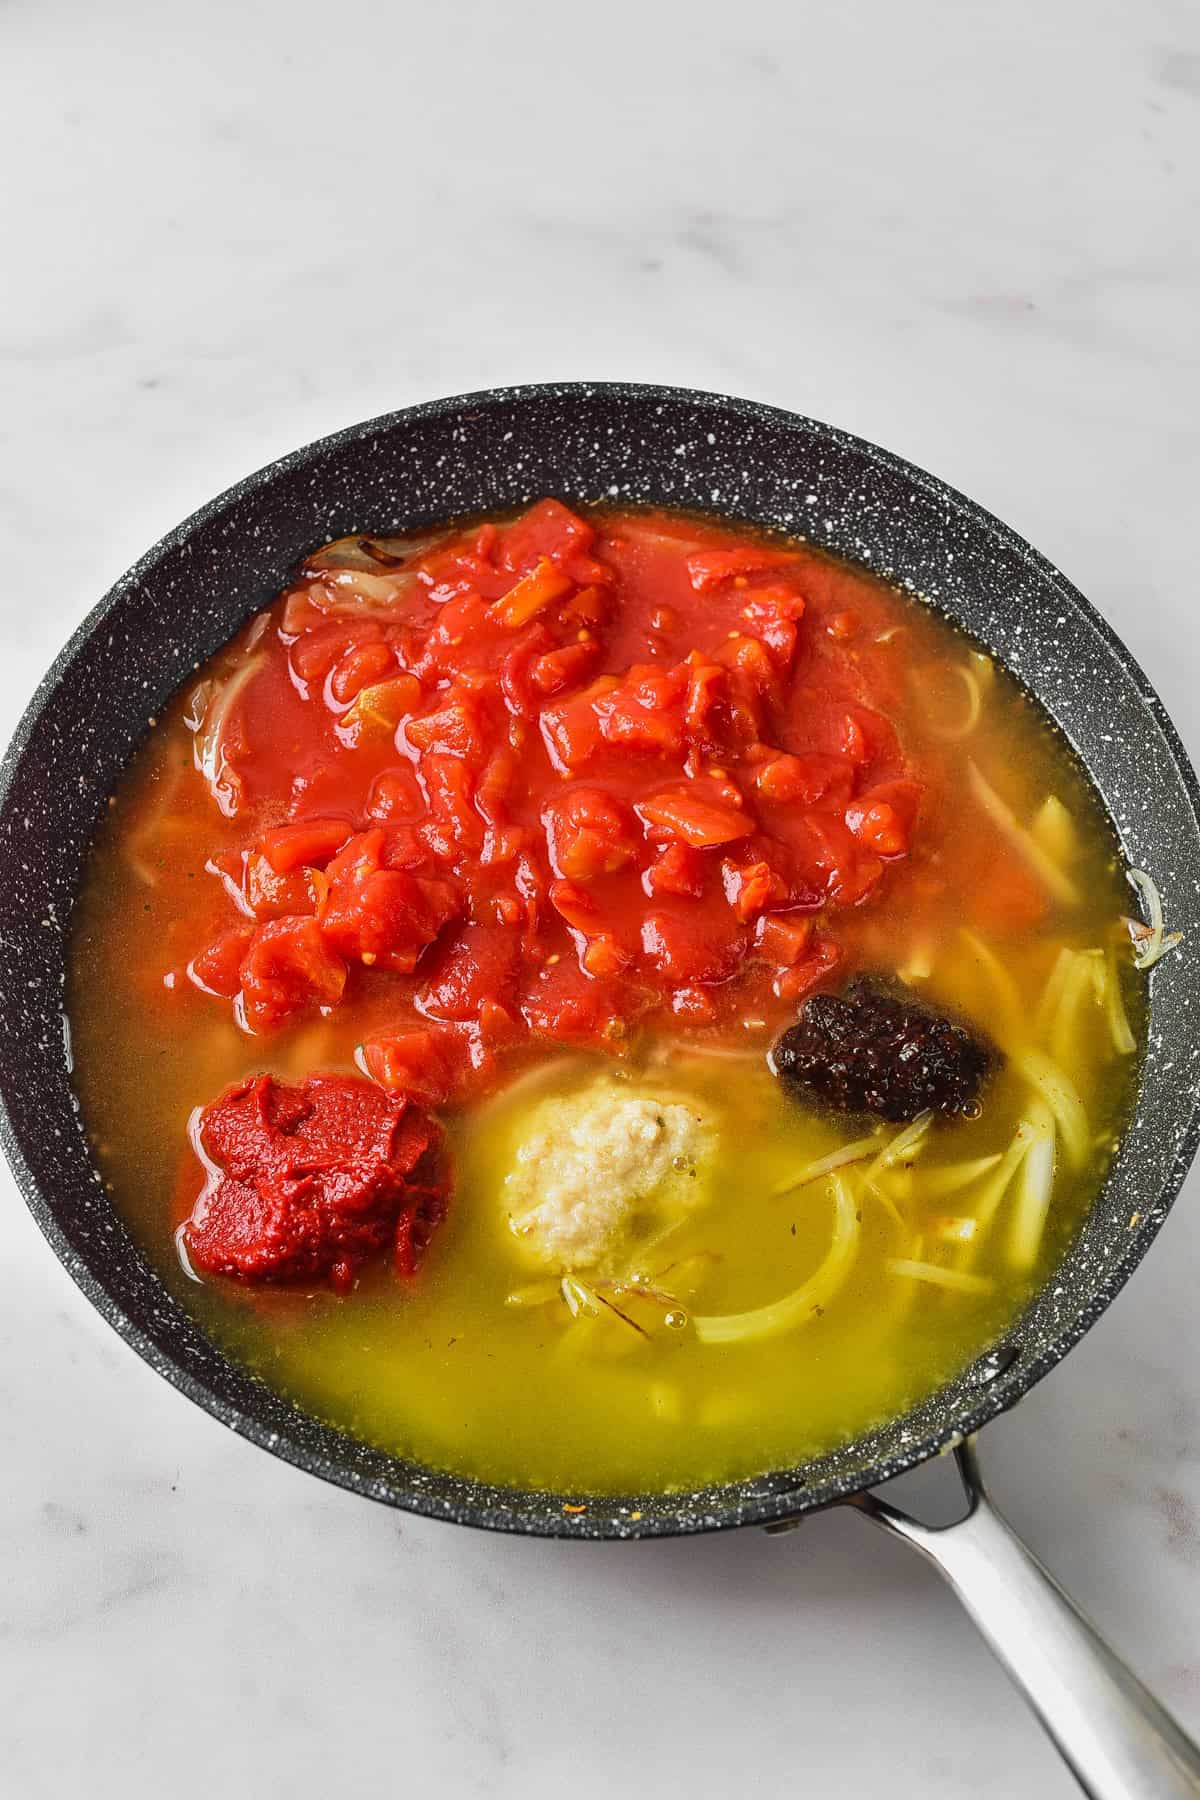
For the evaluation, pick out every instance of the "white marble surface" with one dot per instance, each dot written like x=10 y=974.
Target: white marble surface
x=968 y=232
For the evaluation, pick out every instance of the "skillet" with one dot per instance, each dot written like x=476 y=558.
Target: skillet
x=670 y=447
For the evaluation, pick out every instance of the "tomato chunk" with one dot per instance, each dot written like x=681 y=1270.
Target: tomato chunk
x=287 y=969
x=588 y=833
x=693 y=819
x=312 y=842
x=532 y=594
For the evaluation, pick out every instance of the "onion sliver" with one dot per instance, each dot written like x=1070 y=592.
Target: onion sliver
x=1123 y=1039
x=1152 y=946
x=1002 y=816
x=954 y=734
x=1052 y=993
x=1054 y=829
x=994 y=1189
x=954 y=1279
x=800 y=1306
x=939 y=1184
x=903 y=1147
x=1008 y=1001
x=858 y=1151
x=224 y=784
x=1062 y=1097
x=1034 y=1187
x=1085 y=976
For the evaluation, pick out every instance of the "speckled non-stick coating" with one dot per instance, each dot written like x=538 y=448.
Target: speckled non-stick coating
x=495 y=450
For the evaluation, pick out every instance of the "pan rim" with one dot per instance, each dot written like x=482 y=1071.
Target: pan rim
x=521 y=1512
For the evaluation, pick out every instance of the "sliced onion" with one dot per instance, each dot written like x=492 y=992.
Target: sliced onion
x=1002 y=816
x=858 y=1151
x=370 y=555
x=799 y=1307
x=954 y=734
x=1052 y=993
x=1149 y=947
x=1062 y=1097
x=1034 y=1188
x=939 y=1184
x=956 y=1279
x=1004 y=988
x=1086 y=976
x=904 y=1146
x=1054 y=829
x=1124 y=1042
x=988 y=1200
x=224 y=783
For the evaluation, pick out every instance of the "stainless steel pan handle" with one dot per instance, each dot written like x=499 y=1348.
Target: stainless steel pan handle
x=1118 y=1741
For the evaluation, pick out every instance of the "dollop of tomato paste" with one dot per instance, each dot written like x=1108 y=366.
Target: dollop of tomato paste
x=305 y=1183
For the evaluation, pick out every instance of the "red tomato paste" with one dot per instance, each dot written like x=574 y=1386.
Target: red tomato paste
x=304 y=1183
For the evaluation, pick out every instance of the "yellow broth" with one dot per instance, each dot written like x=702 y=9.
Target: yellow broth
x=479 y=1365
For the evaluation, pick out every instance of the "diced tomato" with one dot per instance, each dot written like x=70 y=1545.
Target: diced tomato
x=382 y=915
x=359 y=668
x=424 y=1064
x=531 y=595
x=565 y=1004
x=475 y=968
x=572 y=728
x=396 y=794
x=454 y=729
x=877 y=825
x=548 y=529
x=309 y=841
x=707 y=687
x=287 y=969
x=843 y=868
x=644 y=711
x=773 y=614
x=561 y=839
x=575 y=905
x=750 y=658
x=317 y=651
x=805 y=779
x=783 y=938
x=603 y=955
x=709 y=568
x=689 y=816
x=752 y=888
x=689 y=945
x=801 y=978
x=870 y=739
x=588 y=833
x=218 y=970
x=376 y=711
x=558 y=669
x=271 y=896
x=694 y=1005
x=678 y=869
x=454 y=829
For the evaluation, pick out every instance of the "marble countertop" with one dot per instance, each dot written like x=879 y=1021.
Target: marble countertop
x=968 y=233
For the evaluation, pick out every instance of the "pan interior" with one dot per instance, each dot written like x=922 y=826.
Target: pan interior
x=491 y=452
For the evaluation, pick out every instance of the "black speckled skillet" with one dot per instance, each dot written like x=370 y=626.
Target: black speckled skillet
x=671 y=447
